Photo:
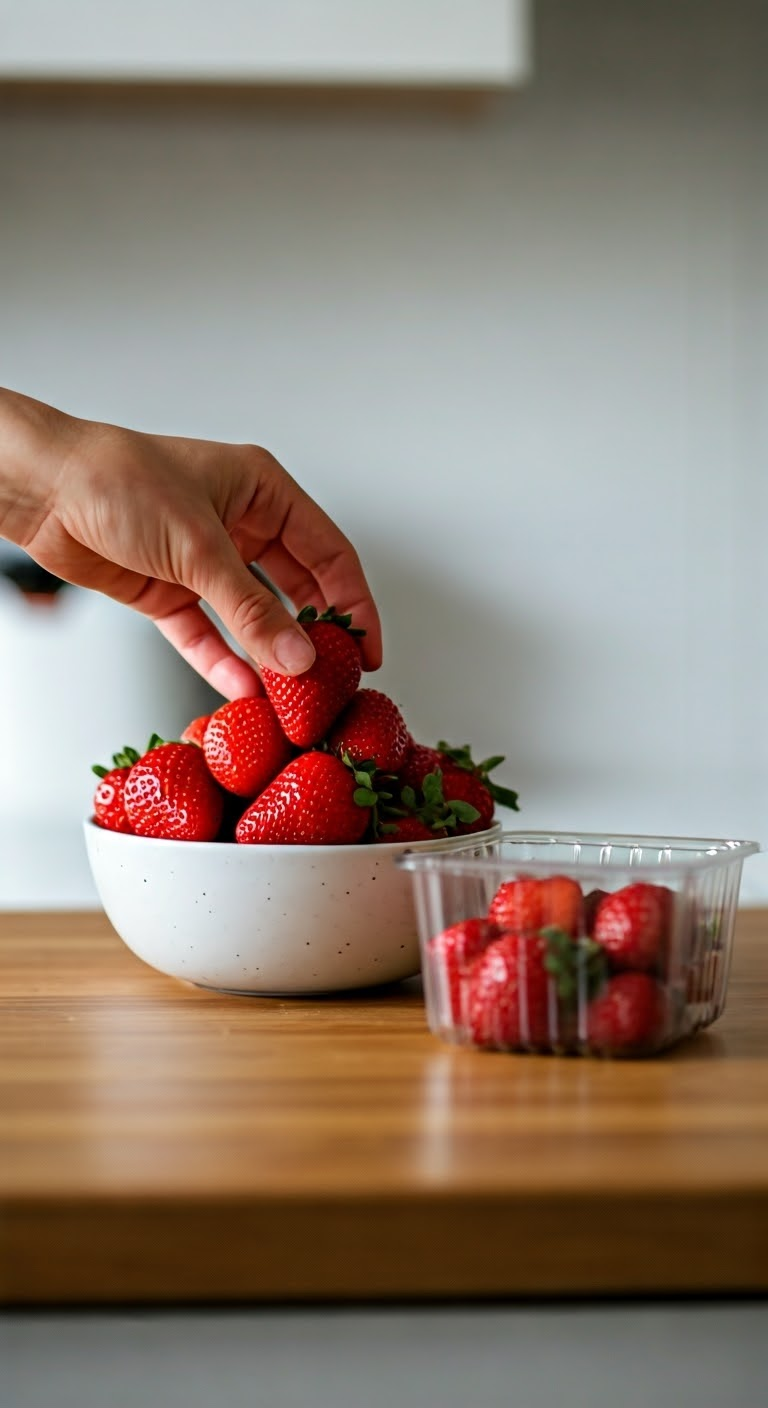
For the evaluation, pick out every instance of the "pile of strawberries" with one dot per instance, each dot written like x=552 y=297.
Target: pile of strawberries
x=550 y=968
x=315 y=760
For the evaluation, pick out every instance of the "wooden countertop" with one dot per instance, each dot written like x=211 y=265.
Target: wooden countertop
x=161 y=1142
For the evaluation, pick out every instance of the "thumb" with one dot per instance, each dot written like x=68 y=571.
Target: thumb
x=251 y=612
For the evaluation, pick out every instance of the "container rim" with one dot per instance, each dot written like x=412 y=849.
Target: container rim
x=719 y=852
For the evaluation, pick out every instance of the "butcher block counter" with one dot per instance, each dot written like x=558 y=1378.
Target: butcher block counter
x=160 y=1142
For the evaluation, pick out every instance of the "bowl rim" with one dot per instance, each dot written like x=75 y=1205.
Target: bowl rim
x=441 y=843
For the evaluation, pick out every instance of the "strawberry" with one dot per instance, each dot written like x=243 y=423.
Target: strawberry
x=193 y=733
x=449 y=959
x=400 y=817
x=316 y=800
x=628 y=1015
x=408 y=828
x=632 y=925
x=371 y=728
x=459 y=786
x=462 y=759
x=170 y=793
x=244 y=746
x=463 y=781
x=308 y=704
x=517 y=905
x=419 y=760
x=562 y=903
x=108 y=804
x=509 y=994
x=529 y=904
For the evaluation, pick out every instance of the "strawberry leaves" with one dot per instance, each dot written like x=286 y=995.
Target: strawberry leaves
x=461 y=757
x=126 y=759
x=310 y=613
x=578 y=966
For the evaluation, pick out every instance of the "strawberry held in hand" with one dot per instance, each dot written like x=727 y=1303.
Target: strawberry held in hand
x=108 y=805
x=244 y=746
x=308 y=704
x=317 y=800
x=169 y=793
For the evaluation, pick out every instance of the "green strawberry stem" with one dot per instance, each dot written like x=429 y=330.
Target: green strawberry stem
x=310 y=613
x=574 y=963
x=435 y=811
x=126 y=759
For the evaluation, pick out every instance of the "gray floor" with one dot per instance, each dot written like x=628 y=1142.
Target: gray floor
x=702 y=1355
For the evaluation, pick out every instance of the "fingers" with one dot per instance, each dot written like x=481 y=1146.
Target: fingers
x=319 y=546
x=248 y=610
x=307 y=551
x=198 y=641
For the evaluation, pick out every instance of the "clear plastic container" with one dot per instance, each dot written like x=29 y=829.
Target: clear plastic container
x=577 y=944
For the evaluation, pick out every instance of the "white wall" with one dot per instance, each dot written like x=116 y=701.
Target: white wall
x=520 y=357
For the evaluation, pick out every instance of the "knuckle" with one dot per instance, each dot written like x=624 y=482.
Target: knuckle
x=255 y=615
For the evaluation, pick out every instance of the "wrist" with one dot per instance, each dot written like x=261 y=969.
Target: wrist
x=34 y=443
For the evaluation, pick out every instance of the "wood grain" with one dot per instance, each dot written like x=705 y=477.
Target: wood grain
x=158 y=1141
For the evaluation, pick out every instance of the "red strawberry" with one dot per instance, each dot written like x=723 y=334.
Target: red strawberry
x=419 y=760
x=193 y=733
x=562 y=903
x=371 y=729
x=408 y=828
x=170 y=793
x=459 y=786
x=427 y=806
x=308 y=704
x=462 y=759
x=108 y=803
x=509 y=994
x=631 y=925
x=449 y=959
x=517 y=905
x=528 y=903
x=244 y=746
x=628 y=1015
x=315 y=801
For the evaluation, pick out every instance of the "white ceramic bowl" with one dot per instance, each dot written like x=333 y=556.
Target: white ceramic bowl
x=264 y=919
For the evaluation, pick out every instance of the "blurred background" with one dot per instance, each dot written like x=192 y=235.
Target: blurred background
x=505 y=318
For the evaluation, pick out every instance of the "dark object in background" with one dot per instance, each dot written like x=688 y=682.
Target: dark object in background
x=39 y=586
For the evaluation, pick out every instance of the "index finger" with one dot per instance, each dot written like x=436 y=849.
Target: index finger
x=317 y=544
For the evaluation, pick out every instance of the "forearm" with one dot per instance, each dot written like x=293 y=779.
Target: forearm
x=35 y=441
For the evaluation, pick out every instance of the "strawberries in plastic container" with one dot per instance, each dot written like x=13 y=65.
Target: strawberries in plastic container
x=554 y=966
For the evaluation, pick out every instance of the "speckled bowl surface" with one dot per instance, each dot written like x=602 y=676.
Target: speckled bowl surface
x=264 y=919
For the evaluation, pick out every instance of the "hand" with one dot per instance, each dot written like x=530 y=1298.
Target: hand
x=163 y=524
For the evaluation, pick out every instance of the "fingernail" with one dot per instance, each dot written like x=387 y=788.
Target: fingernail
x=293 y=651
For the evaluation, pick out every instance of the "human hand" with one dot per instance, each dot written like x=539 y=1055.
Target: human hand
x=162 y=524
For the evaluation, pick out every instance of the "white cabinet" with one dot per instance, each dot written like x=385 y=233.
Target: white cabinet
x=436 y=43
